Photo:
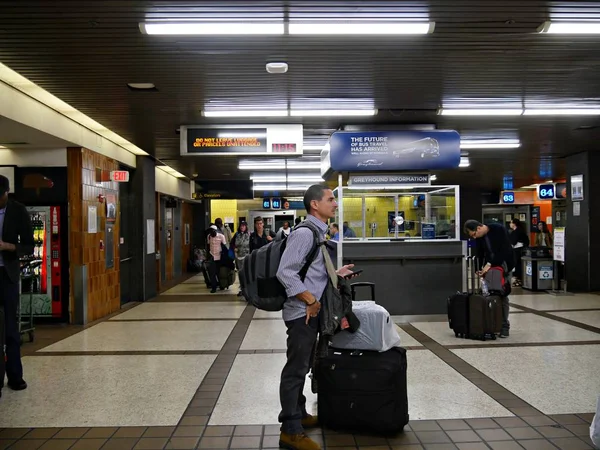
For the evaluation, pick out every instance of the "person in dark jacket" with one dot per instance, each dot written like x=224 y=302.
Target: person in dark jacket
x=259 y=237
x=16 y=241
x=519 y=241
x=493 y=250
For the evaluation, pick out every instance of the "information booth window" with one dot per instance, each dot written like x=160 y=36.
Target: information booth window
x=399 y=213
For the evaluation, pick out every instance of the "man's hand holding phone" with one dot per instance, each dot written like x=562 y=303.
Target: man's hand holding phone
x=347 y=273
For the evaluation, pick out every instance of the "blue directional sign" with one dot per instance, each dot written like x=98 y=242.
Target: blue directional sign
x=508 y=197
x=546 y=191
x=394 y=150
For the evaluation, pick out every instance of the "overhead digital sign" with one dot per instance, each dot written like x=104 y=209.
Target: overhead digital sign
x=276 y=203
x=266 y=203
x=241 y=140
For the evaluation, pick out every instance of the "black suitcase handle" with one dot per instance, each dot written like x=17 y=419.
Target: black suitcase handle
x=353 y=287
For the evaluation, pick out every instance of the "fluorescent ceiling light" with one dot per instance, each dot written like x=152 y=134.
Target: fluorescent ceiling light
x=380 y=188
x=293 y=164
x=489 y=143
x=212 y=28
x=299 y=164
x=350 y=28
x=570 y=28
x=248 y=113
x=171 y=171
x=464 y=162
x=141 y=86
x=307 y=178
x=332 y=112
x=481 y=112
x=269 y=187
x=268 y=178
x=562 y=112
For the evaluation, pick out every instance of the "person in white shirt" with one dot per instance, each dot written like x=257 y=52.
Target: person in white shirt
x=284 y=231
x=215 y=240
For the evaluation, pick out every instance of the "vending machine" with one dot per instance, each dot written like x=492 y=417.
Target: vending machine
x=46 y=284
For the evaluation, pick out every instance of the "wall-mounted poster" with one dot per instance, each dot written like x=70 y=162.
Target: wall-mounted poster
x=111 y=207
x=577 y=188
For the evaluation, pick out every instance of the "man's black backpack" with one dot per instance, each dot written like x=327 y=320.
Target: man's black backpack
x=259 y=273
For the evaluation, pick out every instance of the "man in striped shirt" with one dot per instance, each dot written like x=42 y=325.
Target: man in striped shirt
x=300 y=313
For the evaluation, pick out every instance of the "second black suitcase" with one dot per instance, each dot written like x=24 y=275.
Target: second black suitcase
x=363 y=390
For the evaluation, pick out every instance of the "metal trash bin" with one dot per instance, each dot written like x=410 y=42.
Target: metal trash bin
x=538 y=273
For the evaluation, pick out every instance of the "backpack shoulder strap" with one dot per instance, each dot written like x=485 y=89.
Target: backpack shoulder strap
x=312 y=255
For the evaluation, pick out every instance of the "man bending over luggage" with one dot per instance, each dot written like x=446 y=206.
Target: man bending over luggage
x=300 y=313
x=493 y=250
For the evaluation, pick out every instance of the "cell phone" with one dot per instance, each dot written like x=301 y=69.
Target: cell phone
x=347 y=277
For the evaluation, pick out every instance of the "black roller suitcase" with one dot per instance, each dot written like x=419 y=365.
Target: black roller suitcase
x=363 y=390
x=458 y=304
x=226 y=277
x=485 y=317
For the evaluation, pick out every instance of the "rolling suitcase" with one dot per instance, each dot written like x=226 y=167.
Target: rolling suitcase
x=354 y=286
x=472 y=315
x=226 y=277
x=363 y=390
x=483 y=317
x=207 y=266
x=458 y=304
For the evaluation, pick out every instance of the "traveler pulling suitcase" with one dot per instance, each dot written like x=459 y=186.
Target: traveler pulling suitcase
x=363 y=390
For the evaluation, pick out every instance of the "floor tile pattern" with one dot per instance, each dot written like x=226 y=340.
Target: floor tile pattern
x=200 y=370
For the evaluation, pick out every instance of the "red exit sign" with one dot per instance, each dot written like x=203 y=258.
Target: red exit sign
x=121 y=176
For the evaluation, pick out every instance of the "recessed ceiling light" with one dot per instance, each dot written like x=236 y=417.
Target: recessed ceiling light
x=277 y=67
x=141 y=86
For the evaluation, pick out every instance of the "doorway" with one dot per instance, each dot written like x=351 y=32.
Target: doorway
x=127 y=209
x=504 y=214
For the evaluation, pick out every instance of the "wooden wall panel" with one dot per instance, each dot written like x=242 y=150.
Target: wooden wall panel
x=84 y=248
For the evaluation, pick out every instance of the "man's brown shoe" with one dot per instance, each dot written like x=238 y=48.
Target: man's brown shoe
x=297 y=442
x=310 y=421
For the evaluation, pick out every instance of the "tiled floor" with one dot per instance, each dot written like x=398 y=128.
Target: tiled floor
x=198 y=370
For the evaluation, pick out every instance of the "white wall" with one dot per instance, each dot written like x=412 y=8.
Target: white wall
x=34 y=158
x=170 y=185
x=21 y=108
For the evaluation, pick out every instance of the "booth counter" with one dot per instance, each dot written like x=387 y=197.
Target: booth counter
x=404 y=238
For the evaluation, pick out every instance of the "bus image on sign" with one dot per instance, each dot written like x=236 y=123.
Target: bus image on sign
x=428 y=147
